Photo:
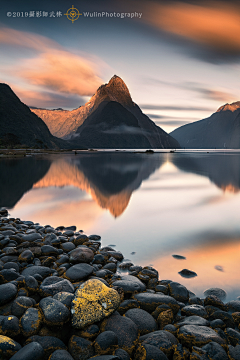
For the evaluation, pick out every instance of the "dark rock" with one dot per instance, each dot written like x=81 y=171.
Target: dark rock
x=26 y=256
x=193 y=320
x=31 y=237
x=53 y=285
x=68 y=233
x=95 y=237
x=99 y=259
x=49 y=250
x=11 y=265
x=8 y=346
x=190 y=310
x=78 y=272
x=225 y=317
x=54 y=312
x=130 y=284
x=179 y=257
x=214 y=301
x=106 y=343
x=122 y=354
x=33 y=270
x=144 y=321
x=90 y=332
x=233 y=336
x=105 y=357
x=31 y=283
x=81 y=255
x=187 y=273
x=165 y=318
x=149 y=302
x=116 y=254
x=7 y=293
x=31 y=322
x=65 y=298
x=215 y=351
x=20 y=305
x=61 y=355
x=149 y=352
x=80 y=348
x=125 y=329
x=7 y=275
x=68 y=246
x=9 y=326
x=49 y=344
x=161 y=339
x=29 y=352
x=219 y=293
x=127 y=305
x=193 y=335
x=161 y=288
x=234 y=352
x=233 y=306
x=178 y=292
x=218 y=323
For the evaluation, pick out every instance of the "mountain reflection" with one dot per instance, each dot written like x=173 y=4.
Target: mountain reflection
x=110 y=179
x=222 y=169
x=18 y=175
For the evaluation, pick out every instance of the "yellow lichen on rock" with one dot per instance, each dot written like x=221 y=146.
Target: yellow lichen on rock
x=93 y=302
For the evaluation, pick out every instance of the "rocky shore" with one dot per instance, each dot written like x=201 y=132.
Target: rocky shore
x=64 y=297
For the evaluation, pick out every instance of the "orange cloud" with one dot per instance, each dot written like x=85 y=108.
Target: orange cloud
x=213 y=24
x=54 y=68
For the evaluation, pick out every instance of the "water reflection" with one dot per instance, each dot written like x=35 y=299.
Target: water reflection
x=222 y=169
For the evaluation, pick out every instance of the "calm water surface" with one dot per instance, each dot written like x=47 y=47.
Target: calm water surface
x=149 y=206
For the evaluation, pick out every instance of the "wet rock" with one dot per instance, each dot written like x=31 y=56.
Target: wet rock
x=163 y=340
x=106 y=343
x=233 y=306
x=149 y=352
x=9 y=326
x=31 y=283
x=61 y=355
x=65 y=298
x=26 y=256
x=8 y=346
x=54 y=312
x=93 y=301
x=29 y=352
x=95 y=237
x=218 y=323
x=54 y=284
x=48 y=343
x=20 y=305
x=164 y=318
x=234 y=352
x=68 y=246
x=49 y=250
x=79 y=240
x=178 y=292
x=31 y=322
x=149 y=302
x=11 y=265
x=7 y=293
x=219 y=293
x=81 y=255
x=193 y=320
x=78 y=272
x=127 y=305
x=80 y=348
x=233 y=336
x=90 y=332
x=214 y=301
x=224 y=316
x=130 y=284
x=7 y=275
x=161 y=288
x=187 y=273
x=31 y=237
x=215 y=351
x=124 y=328
x=190 y=310
x=193 y=335
x=179 y=257
x=116 y=254
x=33 y=270
x=144 y=321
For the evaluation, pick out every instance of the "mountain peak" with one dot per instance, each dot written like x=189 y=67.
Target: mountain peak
x=115 y=90
x=232 y=107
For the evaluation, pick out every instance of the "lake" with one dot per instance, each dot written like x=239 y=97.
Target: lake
x=150 y=206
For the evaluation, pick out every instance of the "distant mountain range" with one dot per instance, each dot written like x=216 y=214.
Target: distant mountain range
x=110 y=119
x=219 y=131
x=20 y=126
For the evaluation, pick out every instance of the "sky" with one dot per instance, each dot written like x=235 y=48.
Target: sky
x=179 y=59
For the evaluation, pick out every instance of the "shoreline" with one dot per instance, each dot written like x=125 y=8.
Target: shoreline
x=63 y=296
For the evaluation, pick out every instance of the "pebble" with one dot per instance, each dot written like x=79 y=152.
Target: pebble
x=54 y=312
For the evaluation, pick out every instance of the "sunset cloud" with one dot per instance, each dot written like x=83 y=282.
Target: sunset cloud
x=51 y=68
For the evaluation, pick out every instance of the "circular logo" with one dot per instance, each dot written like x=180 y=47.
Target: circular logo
x=72 y=14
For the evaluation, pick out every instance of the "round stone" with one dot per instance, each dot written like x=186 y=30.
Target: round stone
x=49 y=250
x=215 y=351
x=49 y=344
x=190 y=310
x=124 y=328
x=65 y=298
x=187 y=273
x=31 y=283
x=29 y=352
x=122 y=354
x=193 y=320
x=54 y=284
x=7 y=293
x=220 y=293
x=61 y=355
x=144 y=321
x=54 y=312
x=31 y=322
x=8 y=346
x=68 y=246
x=214 y=301
x=149 y=352
x=31 y=237
x=193 y=335
x=80 y=348
x=20 y=305
x=26 y=256
x=106 y=343
x=162 y=339
x=130 y=284
x=33 y=270
x=178 y=292
x=78 y=272
x=93 y=301
x=81 y=255
x=149 y=302
x=10 y=326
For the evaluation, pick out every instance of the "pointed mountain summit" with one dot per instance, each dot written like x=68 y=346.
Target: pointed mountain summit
x=19 y=126
x=110 y=119
x=219 y=131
